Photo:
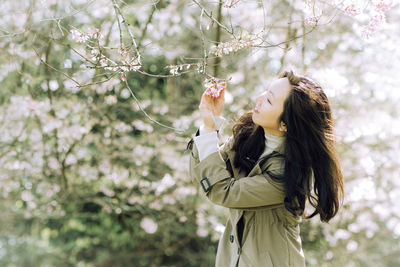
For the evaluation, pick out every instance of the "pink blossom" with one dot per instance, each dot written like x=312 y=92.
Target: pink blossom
x=373 y=24
x=231 y=3
x=245 y=41
x=351 y=10
x=379 y=17
x=27 y=196
x=123 y=78
x=170 y=136
x=312 y=20
x=78 y=36
x=202 y=232
x=382 y=6
x=107 y=192
x=110 y=99
x=214 y=88
x=95 y=33
x=148 y=225
x=155 y=206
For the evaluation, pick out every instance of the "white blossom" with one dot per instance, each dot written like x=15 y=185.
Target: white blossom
x=78 y=36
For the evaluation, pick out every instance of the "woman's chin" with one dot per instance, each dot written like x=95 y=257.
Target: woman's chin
x=252 y=116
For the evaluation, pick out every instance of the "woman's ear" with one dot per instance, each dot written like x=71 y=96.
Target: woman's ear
x=282 y=127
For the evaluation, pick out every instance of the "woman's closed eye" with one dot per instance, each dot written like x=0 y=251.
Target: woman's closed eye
x=267 y=99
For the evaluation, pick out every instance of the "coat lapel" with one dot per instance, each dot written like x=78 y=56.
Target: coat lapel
x=257 y=168
x=238 y=213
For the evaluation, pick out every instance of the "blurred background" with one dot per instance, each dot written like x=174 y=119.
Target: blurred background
x=99 y=99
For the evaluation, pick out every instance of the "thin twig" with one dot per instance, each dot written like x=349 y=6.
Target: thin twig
x=71 y=14
x=99 y=82
x=117 y=8
x=211 y=17
x=181 y=131
x=53 y=68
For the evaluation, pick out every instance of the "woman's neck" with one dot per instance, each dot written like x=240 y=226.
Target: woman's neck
x=272 y=142
x=274 y=132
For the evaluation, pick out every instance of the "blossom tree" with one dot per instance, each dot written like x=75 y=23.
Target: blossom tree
x=99 y=99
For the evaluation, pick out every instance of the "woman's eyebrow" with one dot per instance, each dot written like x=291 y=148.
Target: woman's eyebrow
x=272 y=93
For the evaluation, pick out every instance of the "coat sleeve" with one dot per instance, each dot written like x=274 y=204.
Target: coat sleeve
x=221 y=188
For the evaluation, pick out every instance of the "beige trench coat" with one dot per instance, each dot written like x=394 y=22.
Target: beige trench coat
x=271 y=234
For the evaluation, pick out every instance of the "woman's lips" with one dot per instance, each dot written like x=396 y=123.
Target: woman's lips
x=256 y=110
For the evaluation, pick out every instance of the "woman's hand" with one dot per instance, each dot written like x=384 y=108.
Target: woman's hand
x=211 y=106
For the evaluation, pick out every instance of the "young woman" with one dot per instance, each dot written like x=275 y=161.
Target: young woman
x=280 y=155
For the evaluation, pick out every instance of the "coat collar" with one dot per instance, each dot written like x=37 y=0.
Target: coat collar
x=257 y=168
x=281 y=148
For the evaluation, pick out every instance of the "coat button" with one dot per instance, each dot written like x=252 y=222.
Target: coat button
x=231 y=238
x=238 y=250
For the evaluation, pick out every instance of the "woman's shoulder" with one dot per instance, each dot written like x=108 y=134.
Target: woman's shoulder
x=273 y=163
x=226 y=146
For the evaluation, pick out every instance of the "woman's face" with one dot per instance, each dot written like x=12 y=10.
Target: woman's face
x=270 y=106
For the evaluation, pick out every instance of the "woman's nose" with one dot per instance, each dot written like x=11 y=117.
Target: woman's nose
x=258 y=99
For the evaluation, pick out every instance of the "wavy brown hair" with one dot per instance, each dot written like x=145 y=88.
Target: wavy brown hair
x=310 y=158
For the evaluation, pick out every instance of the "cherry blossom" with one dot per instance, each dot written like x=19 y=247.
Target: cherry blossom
x=246 y=41
x=352 y=10
x=95 y=33
x=79 y=36
x=50 y=135
x=312 y=20
x=231 y=3
x=179 y=69
x=383 y=6
x=148 y=225
x=214 y=88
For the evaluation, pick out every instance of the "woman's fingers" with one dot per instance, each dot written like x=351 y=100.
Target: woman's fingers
x=214 y=90
x=207 y=111
x=213 y=98
x=220 y=101
x=206 y=103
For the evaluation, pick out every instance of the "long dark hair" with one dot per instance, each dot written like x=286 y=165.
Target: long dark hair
x=310 y=158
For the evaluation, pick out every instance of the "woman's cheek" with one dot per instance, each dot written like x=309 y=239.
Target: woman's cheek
x=263 y=115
